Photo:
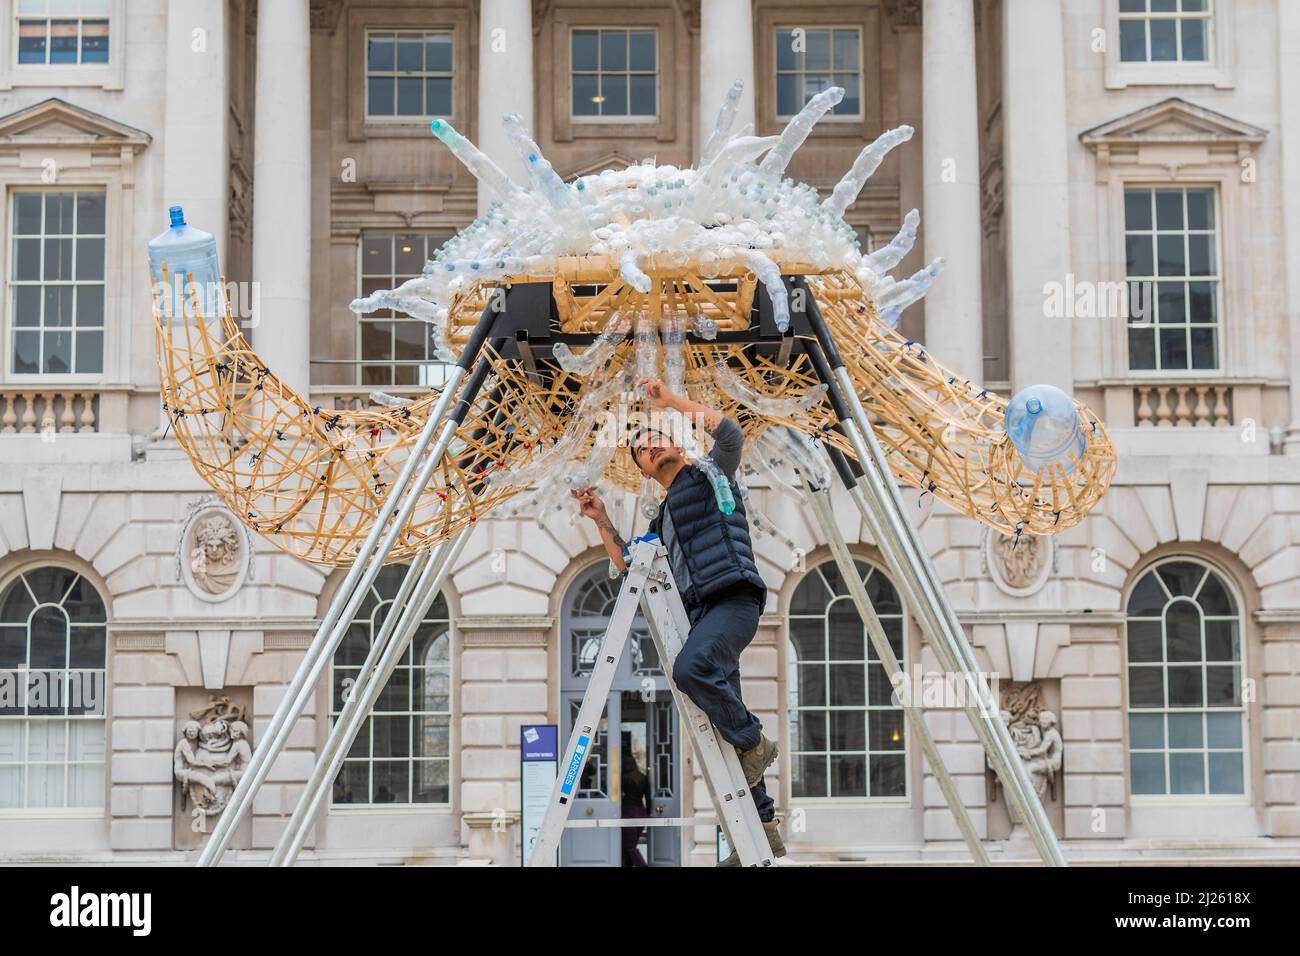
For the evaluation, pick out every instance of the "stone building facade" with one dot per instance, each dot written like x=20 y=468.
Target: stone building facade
x=1065 y=150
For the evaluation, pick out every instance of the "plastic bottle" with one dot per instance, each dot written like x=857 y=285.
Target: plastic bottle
x=1043 y=424
x=187 y=250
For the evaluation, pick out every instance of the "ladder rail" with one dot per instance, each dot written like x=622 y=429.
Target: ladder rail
x=587 y=722
x=732 y=799
x=648 y=587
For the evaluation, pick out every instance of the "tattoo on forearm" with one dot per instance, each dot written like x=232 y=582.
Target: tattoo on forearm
x=604 y=524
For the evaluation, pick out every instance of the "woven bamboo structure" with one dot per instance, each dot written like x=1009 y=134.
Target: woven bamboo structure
x=312 y=480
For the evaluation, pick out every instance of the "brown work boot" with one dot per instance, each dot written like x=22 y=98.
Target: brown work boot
x=773 y=840
x=754 y=762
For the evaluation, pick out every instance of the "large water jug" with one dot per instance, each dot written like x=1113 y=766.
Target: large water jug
x=1043 y=423
x=187 y=251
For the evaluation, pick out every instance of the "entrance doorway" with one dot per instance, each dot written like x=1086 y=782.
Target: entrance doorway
x=633 y=768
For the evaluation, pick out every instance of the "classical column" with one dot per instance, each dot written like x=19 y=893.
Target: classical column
x=282 y=190
x=505 y=82
x=196 y=161
x=1036 y=188
x=950 y=218
x=911 y=189
x=1288 y=43
x=726 y=55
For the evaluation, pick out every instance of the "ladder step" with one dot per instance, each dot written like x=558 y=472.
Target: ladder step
x=647 y=822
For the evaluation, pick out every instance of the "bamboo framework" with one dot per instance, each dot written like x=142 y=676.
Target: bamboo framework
x=312 y=480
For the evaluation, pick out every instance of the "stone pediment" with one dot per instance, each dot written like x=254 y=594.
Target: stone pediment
x=1173 y=121
x=55 y=122
x=614 y=159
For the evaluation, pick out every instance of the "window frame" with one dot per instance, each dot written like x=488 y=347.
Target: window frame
x=1148 y=16
x=80 y=812
x=1138 y=800
x=1218 y=70
x=424 y=75
x=361 y=320
x=866 y=18
x=674 y=71
x=638 y=119
x=451 y=758
x=832 y=118
x=904 y=799
x=1217 y=279
x=7 y=349
x=109 y=76
x=361 y=21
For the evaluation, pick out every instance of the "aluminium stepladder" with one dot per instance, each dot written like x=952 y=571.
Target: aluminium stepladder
x=649 y=586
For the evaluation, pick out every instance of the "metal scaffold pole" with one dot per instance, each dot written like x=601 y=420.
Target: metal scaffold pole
x=885 y=516
x=425 y=455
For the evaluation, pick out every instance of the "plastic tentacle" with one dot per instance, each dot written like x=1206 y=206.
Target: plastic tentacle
x=598 y=352
x=732 y=385
x=797 y=130
x=769 y=274
x=884 y=259
x=726 y=117
x=868 y=161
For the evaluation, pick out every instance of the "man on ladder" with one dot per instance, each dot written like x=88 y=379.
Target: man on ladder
x=712 y=561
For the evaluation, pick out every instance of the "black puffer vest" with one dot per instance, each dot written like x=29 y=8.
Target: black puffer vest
x=716 y=547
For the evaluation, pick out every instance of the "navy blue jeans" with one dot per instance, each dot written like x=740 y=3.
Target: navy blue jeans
x=708 y=669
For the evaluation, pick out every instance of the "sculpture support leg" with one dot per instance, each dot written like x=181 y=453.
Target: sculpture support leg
x=909 y=560
x=819 y=501
x=393 y=640
x=901 y=543
x=389 y=524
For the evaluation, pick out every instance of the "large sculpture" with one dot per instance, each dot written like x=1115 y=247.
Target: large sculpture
x=706 y=277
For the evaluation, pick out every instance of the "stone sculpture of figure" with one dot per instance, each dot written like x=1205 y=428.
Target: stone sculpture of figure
x=1043 y=759
x=241 y=752
x=214 y=559
x=209 y=772
x=1021 y=559
x=183 y=757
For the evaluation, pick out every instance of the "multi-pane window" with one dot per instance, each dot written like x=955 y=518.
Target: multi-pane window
x=408 y=74
x=56 y=283
x=811 y=60
x=62 y=31
x=395 y=349
x=1186 y=712
x=1164 y=31
x=614 y=74
x=1172 y=263
x=402 y=753
x=52 y=657
x=846 y=728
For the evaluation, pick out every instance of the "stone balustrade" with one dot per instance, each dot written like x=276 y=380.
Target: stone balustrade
x=346 y=398
x=47 y=411
x=1182 y=406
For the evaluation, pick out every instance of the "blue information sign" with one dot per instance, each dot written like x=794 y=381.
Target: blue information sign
x=539 y=763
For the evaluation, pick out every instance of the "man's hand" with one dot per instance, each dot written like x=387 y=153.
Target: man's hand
x=658 y=394
x=589 y=503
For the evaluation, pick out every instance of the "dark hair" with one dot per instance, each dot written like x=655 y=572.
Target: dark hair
x=631 y=444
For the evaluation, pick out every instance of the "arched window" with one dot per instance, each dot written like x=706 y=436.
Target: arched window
x=402 y=753
x=1186 y=720
x=846 y=731
x=53 y=652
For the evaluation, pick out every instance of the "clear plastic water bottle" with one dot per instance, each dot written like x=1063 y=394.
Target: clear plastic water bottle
x=187 y=250
x=1043 y=424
